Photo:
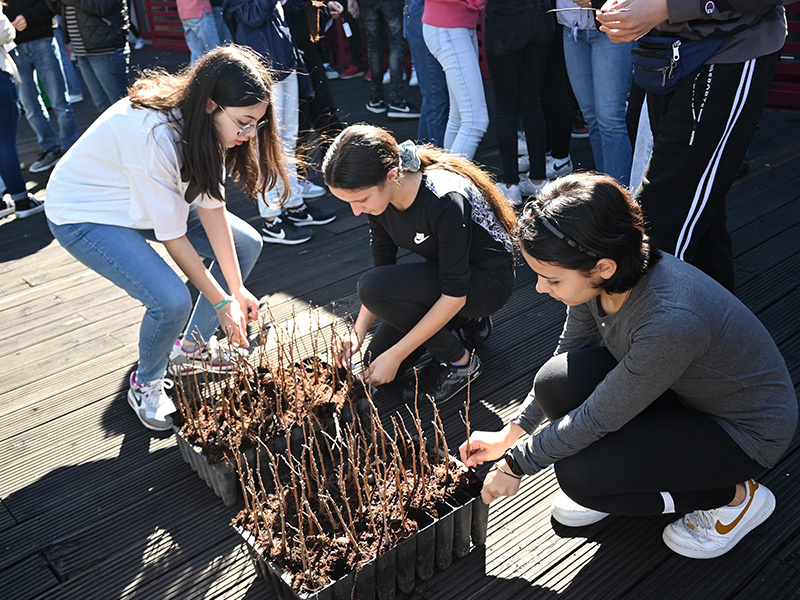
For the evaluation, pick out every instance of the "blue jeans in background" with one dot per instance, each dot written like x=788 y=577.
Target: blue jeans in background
x=123 y=256
x=432 y=82
x=41 y=57
x=201 y=35
x=456 y=49
x=601 y=73
x=70 y=75
x=10 y=173
x=106 y=76
x=223 y=33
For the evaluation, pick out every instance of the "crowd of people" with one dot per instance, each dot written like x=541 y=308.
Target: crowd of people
x=660 y=397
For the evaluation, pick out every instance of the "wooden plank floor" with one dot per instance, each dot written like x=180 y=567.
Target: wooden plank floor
x=93 y=506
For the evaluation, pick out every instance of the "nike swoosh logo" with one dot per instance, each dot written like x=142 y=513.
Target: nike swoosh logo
x=726 y=529
x=276 y=235
x=420 y=237
x=561 y=166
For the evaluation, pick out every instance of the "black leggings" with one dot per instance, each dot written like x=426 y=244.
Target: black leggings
x=400 y=295
x=517 y=50
x=666 y=448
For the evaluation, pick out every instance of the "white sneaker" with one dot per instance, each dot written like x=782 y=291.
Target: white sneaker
x=210 y=357
x=311 y=190
x=711 y=533
x=568 y=512
x=556 y=167
x=511 y=192
x=150 y=402
x=527 y=188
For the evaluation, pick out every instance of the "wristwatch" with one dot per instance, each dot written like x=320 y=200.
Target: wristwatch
x=512 y=464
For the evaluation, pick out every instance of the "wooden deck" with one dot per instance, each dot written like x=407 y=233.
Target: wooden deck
x=94 y=506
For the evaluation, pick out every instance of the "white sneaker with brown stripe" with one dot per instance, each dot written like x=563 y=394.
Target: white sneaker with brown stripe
x=712 y=533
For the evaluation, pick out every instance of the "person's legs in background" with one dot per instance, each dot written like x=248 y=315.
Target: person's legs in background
x=106 y=76
x=612 y=69
x=223 y=33
x=432 y=82
x=74 y=89
x=684 y=189
x=457 y=51
x=32 y=104
x=51 y=74
x=201 y=35
x=393 y=18
x=373 y=23
x=10 y=172
x=578 y=58
x=517 y=49
x=558 y=111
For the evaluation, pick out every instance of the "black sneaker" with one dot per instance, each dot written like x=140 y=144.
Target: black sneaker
x=476 y=331
x=402 y=110
x=284 y=232
x=443 y=381
x=46 y=160
x=309 y=215
x=28 y=206
x=376 y=106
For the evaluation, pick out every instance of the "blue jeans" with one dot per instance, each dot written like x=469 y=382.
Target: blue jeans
x=600 y=73
x=201 y=35
x=456 y=49
x=10 y=173
x=106 y=76
x=70 y=75
x=223 y=33
x=123 y=256
x=40 y=57
x=432 y=82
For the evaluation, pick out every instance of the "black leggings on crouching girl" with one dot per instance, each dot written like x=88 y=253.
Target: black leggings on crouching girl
x=400 y=295
x=666 y=448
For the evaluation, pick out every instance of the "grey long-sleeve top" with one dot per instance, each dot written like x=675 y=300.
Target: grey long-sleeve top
x=678 y=330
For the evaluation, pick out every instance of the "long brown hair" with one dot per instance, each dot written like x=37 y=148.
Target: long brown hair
x=362 y=155
x=230 y=76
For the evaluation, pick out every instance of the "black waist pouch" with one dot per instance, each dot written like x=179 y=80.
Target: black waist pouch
x=661 y=63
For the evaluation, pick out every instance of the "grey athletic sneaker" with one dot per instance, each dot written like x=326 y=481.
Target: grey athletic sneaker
x=150 y=402
x=46 y=160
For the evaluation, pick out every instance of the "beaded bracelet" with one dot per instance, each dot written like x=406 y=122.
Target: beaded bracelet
x=497 y=467
x=227 y=300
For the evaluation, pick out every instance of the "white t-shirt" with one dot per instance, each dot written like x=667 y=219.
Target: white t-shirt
x=124 y=170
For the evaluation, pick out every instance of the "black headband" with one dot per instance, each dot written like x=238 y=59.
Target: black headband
x=566 y=238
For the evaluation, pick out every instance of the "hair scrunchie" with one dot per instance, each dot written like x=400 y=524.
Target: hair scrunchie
x=409 y=161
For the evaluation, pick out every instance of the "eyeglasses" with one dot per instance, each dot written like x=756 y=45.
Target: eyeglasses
x=244 y=130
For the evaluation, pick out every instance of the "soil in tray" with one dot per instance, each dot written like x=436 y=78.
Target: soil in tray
x=221 y=413
x=331 y=551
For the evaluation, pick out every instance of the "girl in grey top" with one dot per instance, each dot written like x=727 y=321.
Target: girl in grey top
x=665 y=393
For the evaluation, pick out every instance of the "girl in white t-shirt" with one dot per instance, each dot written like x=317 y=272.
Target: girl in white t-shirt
x=153 y=167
